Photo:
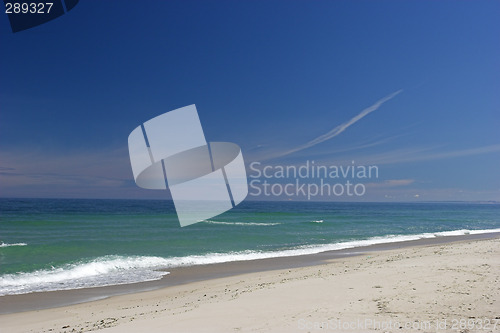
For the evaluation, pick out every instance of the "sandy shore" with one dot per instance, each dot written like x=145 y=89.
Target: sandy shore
x=451 y=287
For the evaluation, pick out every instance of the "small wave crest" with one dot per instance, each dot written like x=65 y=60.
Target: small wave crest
x=13 y=244
x=113 y=270
x=242 y=223
x=214 y=258
x=103 y=271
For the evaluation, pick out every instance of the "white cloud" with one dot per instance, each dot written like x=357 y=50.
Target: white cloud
x=342 y=127
x=29 y=172
x=423 y=154
x=392 y=183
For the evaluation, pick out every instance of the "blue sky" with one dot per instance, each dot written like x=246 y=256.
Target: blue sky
x=270 y=76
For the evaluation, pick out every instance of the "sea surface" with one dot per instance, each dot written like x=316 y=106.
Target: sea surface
x=58 y=244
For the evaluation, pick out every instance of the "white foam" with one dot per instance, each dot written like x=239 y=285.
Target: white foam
x=112 y=270
x=213 y=258
x=317 y=221
x=13 y=244
x=241 y=223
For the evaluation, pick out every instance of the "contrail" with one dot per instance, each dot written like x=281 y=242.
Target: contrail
x=342 y=127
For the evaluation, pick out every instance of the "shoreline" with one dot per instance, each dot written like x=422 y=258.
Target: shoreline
x=11 y=304
x=425 y=287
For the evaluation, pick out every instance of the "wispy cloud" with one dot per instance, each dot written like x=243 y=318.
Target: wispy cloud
x=399 y=156
x=103 y=173
x=351 y=148
x=391 y=183
x=409 y=155
x=342 y=127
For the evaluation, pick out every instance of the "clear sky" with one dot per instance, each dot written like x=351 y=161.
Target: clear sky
x=288 y=81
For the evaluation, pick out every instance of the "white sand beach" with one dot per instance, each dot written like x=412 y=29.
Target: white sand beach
x=451 y=287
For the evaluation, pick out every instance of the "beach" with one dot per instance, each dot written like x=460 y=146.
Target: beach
x=450 y=286
x=250 y=166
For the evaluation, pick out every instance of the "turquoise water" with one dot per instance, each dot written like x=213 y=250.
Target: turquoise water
x=52 y=244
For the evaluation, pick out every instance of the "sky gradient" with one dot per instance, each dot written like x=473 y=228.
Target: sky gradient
x=288 y=81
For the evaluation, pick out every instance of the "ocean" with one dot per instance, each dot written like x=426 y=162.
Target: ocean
x=60 y=244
